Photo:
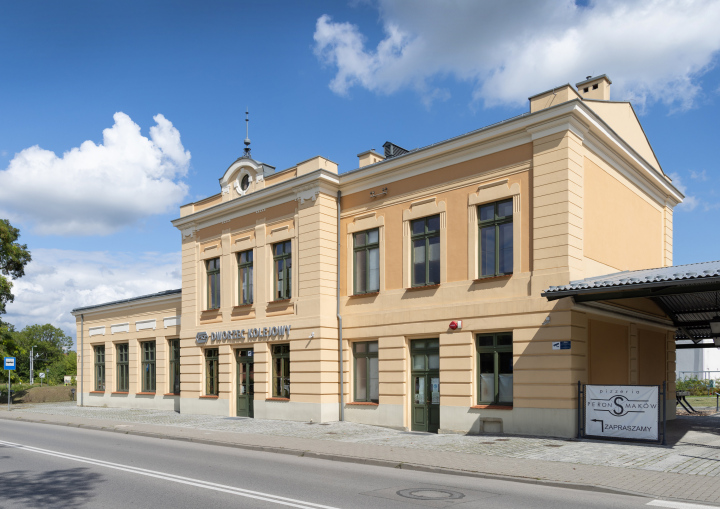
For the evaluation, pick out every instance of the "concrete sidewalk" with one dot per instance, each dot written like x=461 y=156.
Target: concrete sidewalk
x=685 y=470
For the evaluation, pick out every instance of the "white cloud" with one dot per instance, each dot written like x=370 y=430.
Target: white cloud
x=97 y=189
x=699 y=175
x=56 y=281
x=690 y=202
x=654 y=51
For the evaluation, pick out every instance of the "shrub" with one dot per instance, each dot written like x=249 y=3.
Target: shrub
x=698 y=387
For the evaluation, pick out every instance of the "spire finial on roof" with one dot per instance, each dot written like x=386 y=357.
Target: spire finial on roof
x=247 y=133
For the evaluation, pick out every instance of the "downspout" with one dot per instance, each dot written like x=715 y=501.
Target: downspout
x=82 y=356
x=340 y=343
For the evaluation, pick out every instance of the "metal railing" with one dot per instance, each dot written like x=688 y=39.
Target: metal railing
x=700 y=375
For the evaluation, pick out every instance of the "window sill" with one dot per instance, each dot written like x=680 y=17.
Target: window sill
x=424 y=287
x=209 y=397
x=280 y=301
x=491 y=407
x=490 y=278
x=361 y=403
x=361 y=295
x=172 y=394
x=144 y=394
x=277 y=399
x=120 y=392
x=210 y=314
x=243 y=306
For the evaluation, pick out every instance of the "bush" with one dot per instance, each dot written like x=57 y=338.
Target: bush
x=698 y=387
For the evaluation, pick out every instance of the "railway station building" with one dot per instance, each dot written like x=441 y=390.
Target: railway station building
x=414 y=291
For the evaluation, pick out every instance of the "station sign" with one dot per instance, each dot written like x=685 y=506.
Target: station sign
x=235 y=335
x=9 y=363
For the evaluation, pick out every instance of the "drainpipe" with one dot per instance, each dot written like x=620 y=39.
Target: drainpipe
x=82 y=356
x=340 y=344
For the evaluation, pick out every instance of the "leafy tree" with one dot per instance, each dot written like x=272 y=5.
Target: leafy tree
x=50 y=347
x=13 y=258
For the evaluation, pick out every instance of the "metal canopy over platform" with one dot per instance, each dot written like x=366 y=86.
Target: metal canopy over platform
x=688 y=294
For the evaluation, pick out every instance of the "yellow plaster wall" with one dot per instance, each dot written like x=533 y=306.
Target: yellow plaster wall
x=621 y=229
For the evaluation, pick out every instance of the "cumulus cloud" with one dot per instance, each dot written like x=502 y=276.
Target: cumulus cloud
x=654 y=51
x=691 y=201
x=56 y=281
x=97 y=189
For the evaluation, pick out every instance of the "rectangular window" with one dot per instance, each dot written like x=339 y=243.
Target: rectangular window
x=495 y=224
x=281 y=371
x=282 y=259
x=366 y=372
x=495 y=369
x=366 y=262
x=211 y=372
x=123 y=368
x=213 y=283
x=99 y=352
x=148 y=366
x=174 y=346
x=245 y=277
x=426 y=251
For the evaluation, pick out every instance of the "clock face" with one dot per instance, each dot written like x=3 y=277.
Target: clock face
x=245 y=183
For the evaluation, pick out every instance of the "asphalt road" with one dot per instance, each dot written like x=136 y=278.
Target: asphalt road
x=54 y=466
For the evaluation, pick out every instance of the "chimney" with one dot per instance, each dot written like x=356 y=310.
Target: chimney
x=392 y=150
x=597 y=88
x=369 y=157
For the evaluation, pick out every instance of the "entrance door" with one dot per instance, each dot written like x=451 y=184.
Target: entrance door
x=425 y=379
x=245 y=383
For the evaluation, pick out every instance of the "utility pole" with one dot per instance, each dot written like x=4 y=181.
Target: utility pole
x=32 y=358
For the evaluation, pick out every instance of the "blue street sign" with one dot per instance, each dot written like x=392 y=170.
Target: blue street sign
x=9 y=363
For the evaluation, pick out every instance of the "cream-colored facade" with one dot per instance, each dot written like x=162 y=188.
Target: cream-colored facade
x=587 y=195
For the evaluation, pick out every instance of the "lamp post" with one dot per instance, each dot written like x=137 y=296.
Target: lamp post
x=32 y=359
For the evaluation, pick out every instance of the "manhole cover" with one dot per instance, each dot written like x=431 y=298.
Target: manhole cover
x=430 y=494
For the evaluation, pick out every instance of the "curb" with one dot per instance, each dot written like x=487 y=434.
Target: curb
x=363 y=461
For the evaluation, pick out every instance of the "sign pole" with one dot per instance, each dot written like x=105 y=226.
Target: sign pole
x=9 y=389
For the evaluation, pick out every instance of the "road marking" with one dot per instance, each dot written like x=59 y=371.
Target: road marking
x=174 y=478
x=678 y=505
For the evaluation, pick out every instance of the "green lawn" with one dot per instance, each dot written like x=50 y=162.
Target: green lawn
x=701 y=401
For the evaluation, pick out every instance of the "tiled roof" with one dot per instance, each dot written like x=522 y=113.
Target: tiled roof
x=132 y=299
x=639 y=278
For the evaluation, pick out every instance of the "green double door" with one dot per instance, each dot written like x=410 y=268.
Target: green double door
x=425 y=359
x=245 y=383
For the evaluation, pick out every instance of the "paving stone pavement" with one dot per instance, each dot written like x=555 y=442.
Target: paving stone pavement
x=684 y=469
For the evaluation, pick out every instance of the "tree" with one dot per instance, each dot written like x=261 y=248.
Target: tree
x=13 y=258
x=50 y=348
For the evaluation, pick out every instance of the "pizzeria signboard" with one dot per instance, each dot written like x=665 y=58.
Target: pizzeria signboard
x=622 y=411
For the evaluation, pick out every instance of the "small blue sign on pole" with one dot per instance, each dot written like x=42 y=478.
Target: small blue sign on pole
x=9 y=363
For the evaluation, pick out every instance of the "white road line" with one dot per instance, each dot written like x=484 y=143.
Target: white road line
x=174 y=478
x=678 y=505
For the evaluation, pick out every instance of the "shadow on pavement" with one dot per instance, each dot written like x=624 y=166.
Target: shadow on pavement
x=68 y=488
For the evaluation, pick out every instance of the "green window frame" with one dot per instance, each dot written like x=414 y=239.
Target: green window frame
x=213 y=283
x=366 y=262
x=123 y=367
x=495 y=368
x=99 y=354
x=174 y=371
x=495 y=238
x=211 y=371
x=281 y=371
x=366 y=379
x=282 y=261
x=425 y=251
x=147 y=349
x=245 y=277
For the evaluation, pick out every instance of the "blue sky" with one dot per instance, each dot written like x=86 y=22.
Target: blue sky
x=320 y=78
